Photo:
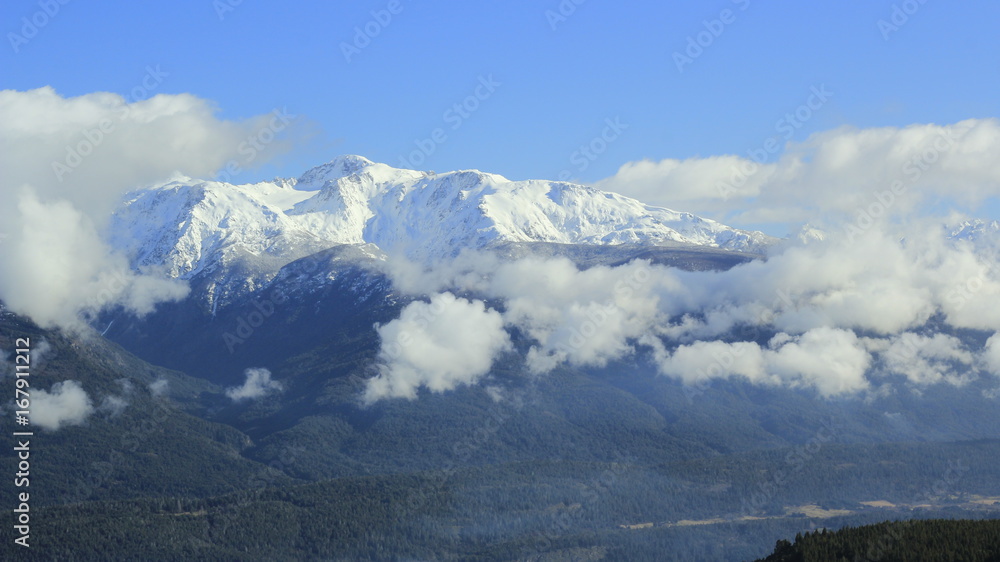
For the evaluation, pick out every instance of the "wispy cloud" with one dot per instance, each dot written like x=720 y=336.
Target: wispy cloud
x=258 y=384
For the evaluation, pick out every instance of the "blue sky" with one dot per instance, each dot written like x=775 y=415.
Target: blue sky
x=557 y=87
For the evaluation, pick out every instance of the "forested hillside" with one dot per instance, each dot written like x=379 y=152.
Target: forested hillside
x=943 y=540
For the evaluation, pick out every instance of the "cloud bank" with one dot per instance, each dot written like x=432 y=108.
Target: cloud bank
x=927 y=359
x=829 y=315
x=871 y=293
x=832 y=361
x=66 y=163
x=838 y=175
x=887 y=275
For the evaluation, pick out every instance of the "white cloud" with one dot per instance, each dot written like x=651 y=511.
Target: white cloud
x=887 y=282
x=127 y=386
x=702 y=361
x=584 y=318
x=66 y=268
x=40 y=352
x=159 y=387
x=257 y=385
x=829 y=360
x=6 y=367
x=820 y=295
x=928 y=359
x=62 y=176
x=439 y=345
x=113 y=405
x=147 y=140
x=66 y=403
x=838 y=174
x=691 y=183
x=991 y=354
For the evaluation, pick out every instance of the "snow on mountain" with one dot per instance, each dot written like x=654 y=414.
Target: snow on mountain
x=808 y=233
x=193 y=228
x=983 y=236
x=976 y=229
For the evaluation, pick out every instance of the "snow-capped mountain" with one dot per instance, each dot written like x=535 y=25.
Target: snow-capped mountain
x=808 y=234
x=192 y=228
x=975 y=230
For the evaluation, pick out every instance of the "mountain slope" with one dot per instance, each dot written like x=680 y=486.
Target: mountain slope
x=143 y=436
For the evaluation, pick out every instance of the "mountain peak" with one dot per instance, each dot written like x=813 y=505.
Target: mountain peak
x=974 y=229
x=339 y=167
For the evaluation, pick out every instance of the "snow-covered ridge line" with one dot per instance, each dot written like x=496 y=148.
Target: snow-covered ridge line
x=190 y=228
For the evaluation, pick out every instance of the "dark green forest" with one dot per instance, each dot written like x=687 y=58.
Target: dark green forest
x=968 y=541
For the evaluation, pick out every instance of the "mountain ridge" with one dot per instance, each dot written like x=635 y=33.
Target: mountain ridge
x=189 y=228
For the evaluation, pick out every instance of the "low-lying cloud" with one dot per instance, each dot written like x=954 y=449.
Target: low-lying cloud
x=64 y=268
x=66 y=403
x=833 y=361
x=927 y=359
x=876 y=292
x=159 y=387
x=258 y=384
x=888 y=275
x=439 y=345
x=113 y=406
x=830 y=315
